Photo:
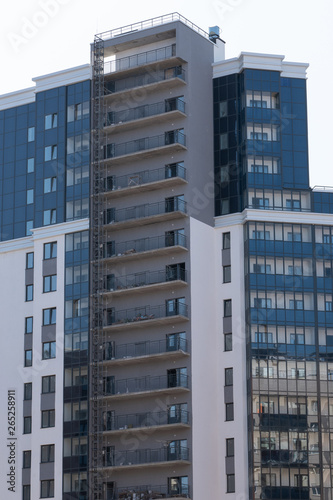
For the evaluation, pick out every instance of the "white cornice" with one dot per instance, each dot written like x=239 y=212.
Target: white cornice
x=42 y=233
x=64 y=77
x=17 y=98
x=252 y=60
x=274 y=216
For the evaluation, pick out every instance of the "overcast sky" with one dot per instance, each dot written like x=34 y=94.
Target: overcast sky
x=43 y=36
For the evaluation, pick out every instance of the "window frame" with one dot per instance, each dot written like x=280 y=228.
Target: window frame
x=50 y=381
x=49 y=420
x=27 y=391
x=53 y=249
x=49 y=347
x=29 y=262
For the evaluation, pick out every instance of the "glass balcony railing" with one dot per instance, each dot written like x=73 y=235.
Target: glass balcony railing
x=147 y=78
x=171 y=171
x=144 y=144
x=148 y=210
x=144 y=313
x=135 y=60
x=144 y=278
x=148 y=348
x=148 y=492
x=288 y=493
x=145 y=111
x=131 y=247
x=283 y=457
x=150 y=419
x=145 y=456
x=145 y=384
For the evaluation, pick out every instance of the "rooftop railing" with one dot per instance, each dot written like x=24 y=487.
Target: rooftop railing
x=151 y=23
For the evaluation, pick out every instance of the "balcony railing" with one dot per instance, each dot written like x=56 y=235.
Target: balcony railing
x=148 y=348
x=145 y=278
x=144 y=144
x=144 y=313
x=151 y=419
x=144 y=245
x=147 y=210
x=145 y=456
x=147 y=78
x=114 y=183
x=145 y=111
x=141 y=59
x=148 y=383
x=148 y=492
x=286 y=492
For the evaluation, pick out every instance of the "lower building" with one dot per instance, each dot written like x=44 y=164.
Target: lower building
x=166 y=270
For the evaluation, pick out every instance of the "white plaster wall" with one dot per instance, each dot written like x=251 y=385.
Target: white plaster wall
x=204 y=341
x=235 y=359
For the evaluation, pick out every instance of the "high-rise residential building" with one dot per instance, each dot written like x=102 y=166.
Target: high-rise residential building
x=166 y=277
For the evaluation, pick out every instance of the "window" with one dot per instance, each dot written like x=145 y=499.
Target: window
x=27 y=459
x=28 y=227
x=223 y=109
x=229 y=412
x=256 y=103
x=29 y=260
x=30 y=165
x=226 y=241
x=77 y=111
x=51 y=121
x=28 y=391
x=228 y=342
x=49 y=316
x=49 y=350
x=47 y=453
x=28 y=324
x=26 y=492
x=226 y=274
x=293 y=236
x=262 y=303
x=327 y=238
x=175 y=203
x=227 y=308
x=224 y=141
x=262 y=268
x=296 y=304
x=31 y=134
x=48 y=418
x=261 y=235
x=178 y=486
x=259 y=136
x=50 y=250
x=27 y=425
x=50 y=153
x=29 y=293
x=230 y=452
x=50 y=283
x=259 y=169
x=30 y=196
x=48 y=384
x=49 y=217
x=297 y=338
x=260 y=202
x=50 y=185
x=28 y=357
x=47 y=488
x=263 y=337
x=176 y=306
x=228 y=376
x=176 y=237
x=293 y=204
x=328 y=306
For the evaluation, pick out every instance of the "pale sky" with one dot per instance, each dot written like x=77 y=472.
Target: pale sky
x=43 y=36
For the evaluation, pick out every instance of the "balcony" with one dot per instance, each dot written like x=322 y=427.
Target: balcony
x=141 y=317
x=143 y=115
x=145 y=180
x=148 y=492
x=143 y=386
x=145 y=280
x=146 y=147
x=283 y=422
x=160 y=457
x=285 y=492
x=162 y=420
x=145 y=247
x=278 y=458
x=130 y=64
x=152 y=80
x=171 y=208
x=140 y=351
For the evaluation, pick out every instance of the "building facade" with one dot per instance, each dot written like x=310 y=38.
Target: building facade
x=171 y=334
